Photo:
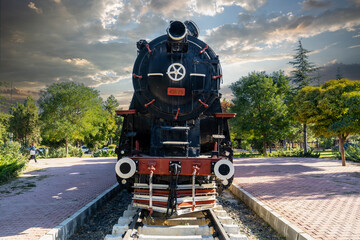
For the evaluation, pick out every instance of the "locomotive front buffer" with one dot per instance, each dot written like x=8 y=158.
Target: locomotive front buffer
x=176 y=198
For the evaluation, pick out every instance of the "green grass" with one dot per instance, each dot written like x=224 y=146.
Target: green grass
x=246 y=155
x=327 y=155
x=323 y=154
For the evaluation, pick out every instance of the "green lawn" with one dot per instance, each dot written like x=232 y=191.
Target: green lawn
x=327 y=155
x=323 y=154
x=247 y=154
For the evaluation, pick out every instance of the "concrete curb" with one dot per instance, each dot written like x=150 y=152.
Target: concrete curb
x=70 y=225
x=279 y=223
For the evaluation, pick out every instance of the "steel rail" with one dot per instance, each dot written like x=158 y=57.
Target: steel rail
x=219 y=229
x=129 y=232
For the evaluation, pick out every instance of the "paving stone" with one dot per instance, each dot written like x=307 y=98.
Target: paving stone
x=61 y=188
x=319 y=197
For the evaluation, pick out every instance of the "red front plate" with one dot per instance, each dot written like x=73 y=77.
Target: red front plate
x=161 y=165
x=176 y=91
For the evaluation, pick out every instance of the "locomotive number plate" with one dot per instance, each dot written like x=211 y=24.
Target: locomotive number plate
x=176 y=91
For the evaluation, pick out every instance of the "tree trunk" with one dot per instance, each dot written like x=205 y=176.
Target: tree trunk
x=342 y=149
x=305 y=139
x=67 y=148
x=264 y=149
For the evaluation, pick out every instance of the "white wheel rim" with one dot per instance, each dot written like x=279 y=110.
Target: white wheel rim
x=176 y=71
x=132 y=168
x=229 y=164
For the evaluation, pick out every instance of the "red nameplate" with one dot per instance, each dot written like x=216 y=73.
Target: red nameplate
x=176 y=91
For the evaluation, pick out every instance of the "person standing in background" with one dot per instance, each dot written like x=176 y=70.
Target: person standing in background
x=33 y=152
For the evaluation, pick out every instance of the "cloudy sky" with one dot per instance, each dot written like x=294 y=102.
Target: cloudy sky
x=94 y=41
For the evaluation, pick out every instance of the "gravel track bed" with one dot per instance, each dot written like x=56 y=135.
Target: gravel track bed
x=103 y=220
x=250 y=224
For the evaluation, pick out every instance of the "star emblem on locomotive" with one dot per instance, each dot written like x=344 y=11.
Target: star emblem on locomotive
x=176 y=71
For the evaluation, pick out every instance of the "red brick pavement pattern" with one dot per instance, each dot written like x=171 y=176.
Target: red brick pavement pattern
x=319 y=196
x=66 y=186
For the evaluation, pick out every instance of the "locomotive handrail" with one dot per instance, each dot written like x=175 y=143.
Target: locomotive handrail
x=125 y=112
x=225 y=115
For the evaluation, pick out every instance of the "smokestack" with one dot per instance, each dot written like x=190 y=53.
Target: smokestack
x=177 y=30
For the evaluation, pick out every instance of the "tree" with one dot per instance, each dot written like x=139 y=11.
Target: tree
x=260 y=106
x=302 y=76
x=70 y=111
x=3 y=126
x=114 y=122
x=338 y=74
x=333 y=109
x=3 y=118
x=111 y=104
x=225 y=105
x=107 y=128
x=24 y=122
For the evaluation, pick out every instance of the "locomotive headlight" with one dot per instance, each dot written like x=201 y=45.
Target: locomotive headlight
x=125 y=168
x=224 y=169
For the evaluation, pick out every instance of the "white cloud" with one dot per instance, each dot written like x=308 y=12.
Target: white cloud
x=105 y=77
x=252 y=32
x=124 y=98
x=354 y=46
x=206 y=7
x=313 y=4
x=79 y=62
x=111 y=10
x=32 y=6
x=248 y=5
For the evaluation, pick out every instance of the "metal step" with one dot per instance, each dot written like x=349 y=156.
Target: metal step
x=179 y=200
x=175 y=128
x=131 y=134
x=157 y=237
x=179 y=187
x=175 y=143
x=218 y=136
x=186 y=220
x=180 y=230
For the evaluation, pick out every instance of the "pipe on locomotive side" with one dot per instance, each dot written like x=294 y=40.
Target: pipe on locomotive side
x=177 y=30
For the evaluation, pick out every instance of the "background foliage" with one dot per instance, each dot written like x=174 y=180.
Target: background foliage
x=11 y=161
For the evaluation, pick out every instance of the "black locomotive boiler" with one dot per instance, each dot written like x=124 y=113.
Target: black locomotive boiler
x=175 y=152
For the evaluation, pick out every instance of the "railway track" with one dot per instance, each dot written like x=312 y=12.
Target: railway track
x=207 y=224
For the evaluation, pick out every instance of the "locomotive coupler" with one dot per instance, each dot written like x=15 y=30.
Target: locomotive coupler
x=174 y=169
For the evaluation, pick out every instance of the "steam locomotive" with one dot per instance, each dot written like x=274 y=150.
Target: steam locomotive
x=174 y=152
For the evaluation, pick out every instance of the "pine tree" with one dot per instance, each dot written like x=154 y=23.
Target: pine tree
x=338 y=74
x=302 y=75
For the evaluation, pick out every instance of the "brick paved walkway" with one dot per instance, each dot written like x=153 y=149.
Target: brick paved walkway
x=45 y=196
x=319 y=196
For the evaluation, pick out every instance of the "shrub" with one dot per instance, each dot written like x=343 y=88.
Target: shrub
x=109 y=153
x=75 y=152
x=61 y=152
x=12 y=162
x=44 y=154
x=352 y=153
x=325 y=143
x=57 y=152
x=295 y=153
